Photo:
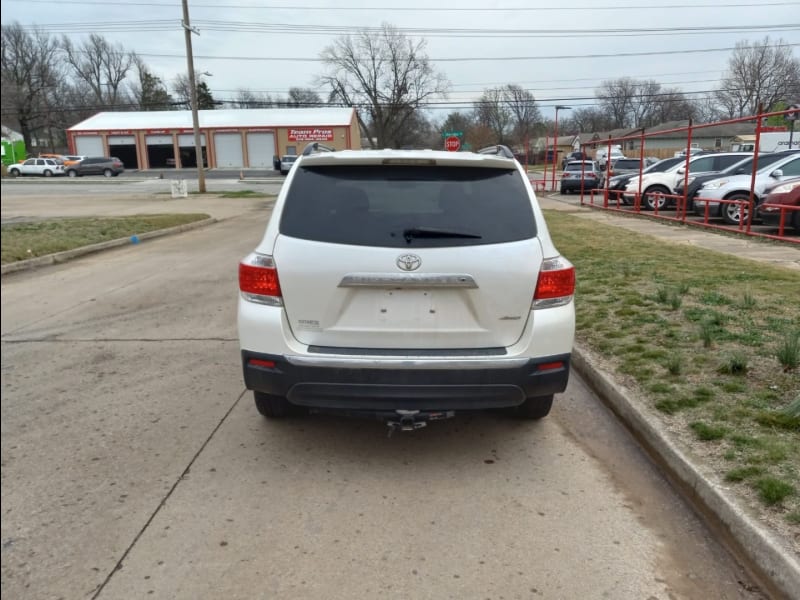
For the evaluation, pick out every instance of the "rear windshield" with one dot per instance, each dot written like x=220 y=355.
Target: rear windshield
x=626 y=164
x=408 y=207
x=663 y=165
x=745 y=167
x=577 y=166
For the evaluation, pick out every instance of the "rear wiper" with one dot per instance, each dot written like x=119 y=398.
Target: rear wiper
x=432 y=232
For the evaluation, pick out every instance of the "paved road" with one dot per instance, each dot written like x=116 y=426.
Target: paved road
x=62 y=188
x=134 y=465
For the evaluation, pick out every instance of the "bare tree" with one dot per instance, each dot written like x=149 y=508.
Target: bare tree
x=246 y=98
x=303 y=97
x=587 y=120
x=387 y=75
x=492 y=111
x=672 y=105
x=31 y=71
x=764 y=72
x=644 y=103
x=149 y=92
x=183 y=93
x=103 y=66
x=616 y=97
x=707 y=110
x=524 y=112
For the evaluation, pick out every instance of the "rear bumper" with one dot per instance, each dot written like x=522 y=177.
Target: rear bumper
x=575 y=184
x=373 y=384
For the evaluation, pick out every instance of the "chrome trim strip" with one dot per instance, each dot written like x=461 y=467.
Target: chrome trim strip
x=413 y=280
x=349 y=362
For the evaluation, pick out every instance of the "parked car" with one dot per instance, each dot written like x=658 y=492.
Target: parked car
x=581 y=174
x=71 y=159
x=286 y=163
x=743 y=167
x=376 y=289
x=97 y=165
x=737 y=187
x=603 y=157
x=44 y=167
x=620 y=166
x=694 y=150
x=776 y=195
x=656 y=185
x=618 y=183
x=579 y=155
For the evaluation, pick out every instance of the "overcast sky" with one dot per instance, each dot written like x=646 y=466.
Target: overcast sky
x=552 y=80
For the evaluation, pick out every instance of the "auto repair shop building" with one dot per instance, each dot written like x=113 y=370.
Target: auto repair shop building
x=239 y=138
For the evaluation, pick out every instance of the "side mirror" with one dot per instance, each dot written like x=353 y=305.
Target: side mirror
x=777 y=174
x=681 y=171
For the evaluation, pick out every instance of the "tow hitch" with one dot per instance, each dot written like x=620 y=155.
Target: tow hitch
x=411 y=420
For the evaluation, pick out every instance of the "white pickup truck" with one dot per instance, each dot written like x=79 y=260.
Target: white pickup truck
x=602 y=156
x=771 y=141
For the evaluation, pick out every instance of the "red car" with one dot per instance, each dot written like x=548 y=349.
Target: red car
x=781 y=193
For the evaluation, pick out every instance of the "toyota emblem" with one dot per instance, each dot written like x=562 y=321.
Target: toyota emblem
x=409 y=262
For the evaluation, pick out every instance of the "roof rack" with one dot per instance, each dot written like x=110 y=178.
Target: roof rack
x=316 y=147
x=499 y=150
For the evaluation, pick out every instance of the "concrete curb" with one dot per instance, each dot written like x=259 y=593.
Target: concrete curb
x=772 y=563
x=60 y=257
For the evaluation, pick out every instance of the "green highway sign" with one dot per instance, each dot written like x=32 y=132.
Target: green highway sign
x=447 y=134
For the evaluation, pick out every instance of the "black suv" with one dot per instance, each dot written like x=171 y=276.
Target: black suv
x=97 y=165
x=572 y=156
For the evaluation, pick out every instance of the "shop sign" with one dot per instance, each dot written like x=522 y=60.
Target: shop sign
x=310 y=134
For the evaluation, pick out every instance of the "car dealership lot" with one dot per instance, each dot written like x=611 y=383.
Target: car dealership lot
x=134 y=462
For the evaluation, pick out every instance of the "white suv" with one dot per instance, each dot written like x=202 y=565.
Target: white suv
x=407 y=285
x=46 y=167
x=657 y=187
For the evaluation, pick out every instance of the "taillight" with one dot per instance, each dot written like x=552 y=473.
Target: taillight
x=566 y=174
x=591 y=175
x=258 y=280
x=556 y=284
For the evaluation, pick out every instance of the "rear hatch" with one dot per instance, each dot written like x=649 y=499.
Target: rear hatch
x=413 y=257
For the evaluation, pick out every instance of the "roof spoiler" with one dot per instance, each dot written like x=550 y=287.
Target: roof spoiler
x=316 y=147
x=498 y=150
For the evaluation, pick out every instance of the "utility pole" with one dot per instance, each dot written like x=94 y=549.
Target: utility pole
x=198 y=147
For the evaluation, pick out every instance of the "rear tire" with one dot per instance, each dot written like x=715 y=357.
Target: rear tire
x=271 y=406
x=48 y=173
x=108 y=173
x=563 y=191
x=72 y=173
x=534 y=408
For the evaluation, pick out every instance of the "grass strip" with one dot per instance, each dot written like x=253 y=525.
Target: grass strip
x=707 y=340
x=21 y=241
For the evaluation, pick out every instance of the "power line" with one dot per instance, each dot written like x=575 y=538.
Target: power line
x=535 y=89
x=472 y=58
x=449 y=32
x=422 y=8
x=657 y=97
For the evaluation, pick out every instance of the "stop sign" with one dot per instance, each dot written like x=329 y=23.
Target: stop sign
x=452 y=144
